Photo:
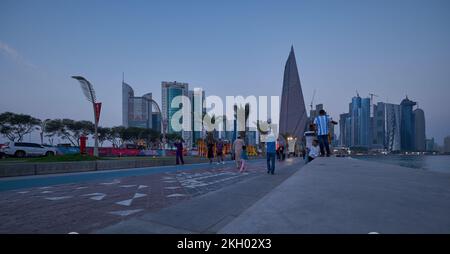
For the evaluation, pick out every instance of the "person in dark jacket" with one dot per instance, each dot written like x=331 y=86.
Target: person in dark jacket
x=210 y=147
x=179 y=153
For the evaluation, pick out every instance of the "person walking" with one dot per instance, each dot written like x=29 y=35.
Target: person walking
x=244 y=159
x=219 y=152
x=179 y=152
x=238 y=144
x=278 y=149
x=322 y=122
x=270 y=152
x=210 y=147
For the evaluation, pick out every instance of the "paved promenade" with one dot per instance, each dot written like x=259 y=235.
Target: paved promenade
x=329 y=195
x=343 y=195
x=91 y=201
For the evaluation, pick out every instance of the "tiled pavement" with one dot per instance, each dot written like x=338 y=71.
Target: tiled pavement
x=85 y=207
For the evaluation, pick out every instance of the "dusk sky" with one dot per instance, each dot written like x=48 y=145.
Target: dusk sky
x=390 y=48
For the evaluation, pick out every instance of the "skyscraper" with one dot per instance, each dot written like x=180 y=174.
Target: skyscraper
x=419 y=129
x=156 y=121
x=197 y=98
x=170 y=90
x=136 y=111
x=344 y=139
x=364 y=123
x=127 y=93
x=430 y=145
x=447 y=144
x=393 y=138
x=379 y=126
x=293 y=116
x=356 y=123
x=407 y=124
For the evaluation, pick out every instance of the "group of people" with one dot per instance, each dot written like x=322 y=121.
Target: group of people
x=210 y=151
x=241 y=157
x=219 y=151
x=316 y=138
x=316 y=144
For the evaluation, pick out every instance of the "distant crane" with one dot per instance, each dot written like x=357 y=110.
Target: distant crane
x=312 y=100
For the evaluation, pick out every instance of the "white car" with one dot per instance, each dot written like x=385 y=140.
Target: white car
x=21 y=149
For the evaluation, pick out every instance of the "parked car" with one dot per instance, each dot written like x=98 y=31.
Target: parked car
x=21 y=149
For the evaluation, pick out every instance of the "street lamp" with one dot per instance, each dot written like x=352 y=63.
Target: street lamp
x=89 y=93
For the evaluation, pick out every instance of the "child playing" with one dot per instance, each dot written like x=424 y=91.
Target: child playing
x=244 y=159
x=314 y=151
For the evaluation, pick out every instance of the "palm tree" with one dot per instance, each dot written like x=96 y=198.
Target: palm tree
x=238 y=111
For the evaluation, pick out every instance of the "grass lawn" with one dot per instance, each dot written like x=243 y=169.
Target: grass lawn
x=63 y=158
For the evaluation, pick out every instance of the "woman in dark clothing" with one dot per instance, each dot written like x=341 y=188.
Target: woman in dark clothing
x=210 y=151
x=179 y=153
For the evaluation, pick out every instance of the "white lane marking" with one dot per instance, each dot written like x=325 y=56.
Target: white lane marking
x=95 y=196
x=44 y=192
x=139 y=195
x=125 y=212
x=58 y=198
x=23 y=192
x=80 y=188
x=99 y=197
x=92 y=194
x=128 y=186
x=171 y=187
x=194 y=183
x=176 y=195
x=43 y=188
x=111 y=183
x=125 y=202
x=142 y=186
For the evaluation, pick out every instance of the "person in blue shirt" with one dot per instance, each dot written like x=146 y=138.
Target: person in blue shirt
x=271 y=151
x=322 y=122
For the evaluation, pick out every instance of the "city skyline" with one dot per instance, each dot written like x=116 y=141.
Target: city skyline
x=397 y=49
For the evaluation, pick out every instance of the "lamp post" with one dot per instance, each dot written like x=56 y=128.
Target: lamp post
x=89 y=93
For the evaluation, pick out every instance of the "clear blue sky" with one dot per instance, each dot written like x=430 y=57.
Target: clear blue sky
x=390 y=48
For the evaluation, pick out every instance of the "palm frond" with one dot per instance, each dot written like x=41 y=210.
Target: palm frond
x=87 y=88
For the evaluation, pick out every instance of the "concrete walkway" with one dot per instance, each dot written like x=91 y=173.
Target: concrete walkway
x=210 y=212
x=343 y=195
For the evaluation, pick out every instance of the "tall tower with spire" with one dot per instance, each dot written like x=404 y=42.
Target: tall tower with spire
x=293 y=116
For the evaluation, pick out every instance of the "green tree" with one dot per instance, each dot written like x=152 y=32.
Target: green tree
x=76 y=129
x=69 y=129
x=118 y=133
x=42 y=131
x=15 y=126
x=53 y=128
x=103 y=134
x=114 y=136
x=151 y=137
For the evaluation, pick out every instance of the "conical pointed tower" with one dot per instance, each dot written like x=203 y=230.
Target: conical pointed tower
x=293 y=117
